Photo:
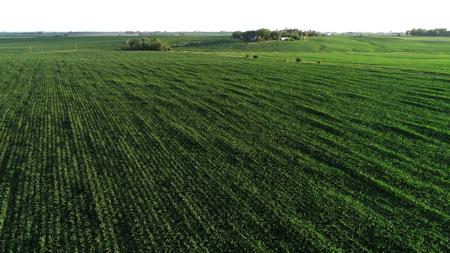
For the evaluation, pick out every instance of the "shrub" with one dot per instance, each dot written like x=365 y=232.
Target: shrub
x=298 y=59
x=318 y=62
x=247 y=56
x=146 y=44
x=255 y=57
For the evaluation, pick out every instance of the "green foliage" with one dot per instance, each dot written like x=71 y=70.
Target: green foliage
x=266 y=34
x=146 y=44
x=237 y=35
x=109 y=151
x=263 y=34
x=255 y=56
x=275 y=35
x=298 y=59
x=433 y=32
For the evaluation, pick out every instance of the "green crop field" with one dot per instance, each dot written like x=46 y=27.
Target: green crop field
x=203 y=149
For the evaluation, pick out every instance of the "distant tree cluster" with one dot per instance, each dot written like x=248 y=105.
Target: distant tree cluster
x=146 y=44
x=432 y=32
x=266 y=34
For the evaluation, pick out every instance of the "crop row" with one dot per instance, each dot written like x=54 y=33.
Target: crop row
x=104 y=151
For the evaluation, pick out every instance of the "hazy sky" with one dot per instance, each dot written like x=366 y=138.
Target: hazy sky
x=226 y=15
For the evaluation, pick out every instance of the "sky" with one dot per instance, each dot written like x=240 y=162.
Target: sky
x=223 y=15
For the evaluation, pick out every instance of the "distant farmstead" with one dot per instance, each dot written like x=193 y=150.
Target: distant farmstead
x=266 y=34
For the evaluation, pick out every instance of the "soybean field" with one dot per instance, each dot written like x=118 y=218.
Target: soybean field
x=204 y=149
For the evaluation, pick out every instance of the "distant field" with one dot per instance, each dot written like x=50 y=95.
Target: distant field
x=416 y=53
x=202 y=149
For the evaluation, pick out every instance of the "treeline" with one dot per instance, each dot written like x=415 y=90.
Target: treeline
x=146 y=44
x=432 y=32
x=266 y=34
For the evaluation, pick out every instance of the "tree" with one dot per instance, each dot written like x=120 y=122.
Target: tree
x=237 y=35
x=266 y=34
x=146 y=44
x=250 y=36
x=432 y=32
x=263 y=34
x=275 y=35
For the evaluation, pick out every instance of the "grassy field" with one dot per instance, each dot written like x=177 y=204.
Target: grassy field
x=202 y=149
